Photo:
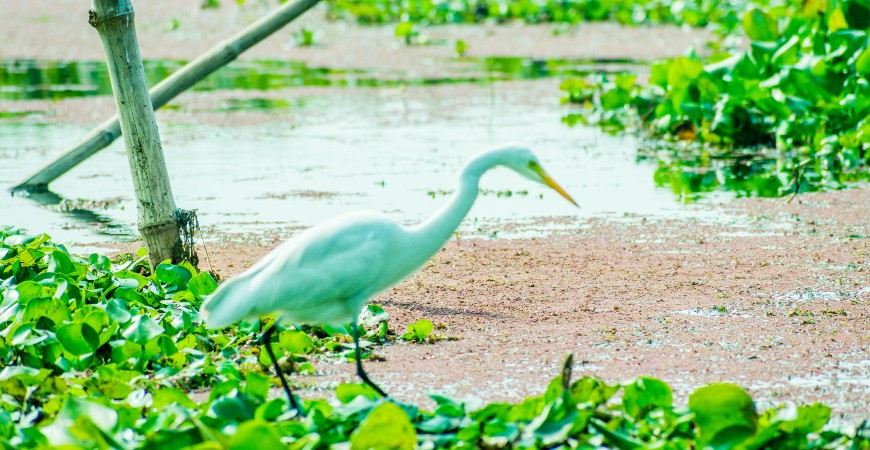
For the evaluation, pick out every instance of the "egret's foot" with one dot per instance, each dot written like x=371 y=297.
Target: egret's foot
x=363 y=376
x=359 y=368
x=265 y=339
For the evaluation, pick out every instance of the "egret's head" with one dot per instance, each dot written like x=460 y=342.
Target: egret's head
x=525 y=163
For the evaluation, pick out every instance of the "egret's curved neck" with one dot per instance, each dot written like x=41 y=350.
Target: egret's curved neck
x=435 y=231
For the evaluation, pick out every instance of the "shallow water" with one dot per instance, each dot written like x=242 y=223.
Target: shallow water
x=266 y=178
x=315 y=157
x=28 y=79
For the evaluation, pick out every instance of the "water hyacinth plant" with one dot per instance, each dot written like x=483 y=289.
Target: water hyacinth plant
x=802 y=84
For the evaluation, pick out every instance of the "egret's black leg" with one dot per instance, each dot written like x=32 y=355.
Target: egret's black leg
x=359 y=368
x=265 y=338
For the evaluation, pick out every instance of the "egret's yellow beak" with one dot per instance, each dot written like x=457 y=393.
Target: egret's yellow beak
x=550 y=182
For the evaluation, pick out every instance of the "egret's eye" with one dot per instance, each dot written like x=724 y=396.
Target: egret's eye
x=533 y=165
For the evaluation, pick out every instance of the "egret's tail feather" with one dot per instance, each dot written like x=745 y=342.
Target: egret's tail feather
x=229 y=304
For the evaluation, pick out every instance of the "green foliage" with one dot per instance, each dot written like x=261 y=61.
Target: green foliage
x=421 y=331
x=461 y=47
x=406 y=31
x=304 y=37
x=725 y=414
x=800 y=85
x=66 y=313
x=436 y=12
x=387 y=426
x=584 y=415
x=99 y=354
x=693 y=170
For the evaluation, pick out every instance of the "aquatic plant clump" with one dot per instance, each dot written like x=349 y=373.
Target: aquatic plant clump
x=801 y=86
x=724 y=14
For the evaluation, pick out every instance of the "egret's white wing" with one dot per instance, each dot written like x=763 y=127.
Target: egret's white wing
x=323 y=275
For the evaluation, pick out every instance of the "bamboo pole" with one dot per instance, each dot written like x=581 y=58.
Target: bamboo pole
x=221 y=54
x=113 y=19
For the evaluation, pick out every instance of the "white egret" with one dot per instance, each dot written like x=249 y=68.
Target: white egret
x=327 y=273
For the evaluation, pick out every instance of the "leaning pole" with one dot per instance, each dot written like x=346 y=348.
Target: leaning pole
x=113 y=19
x=221 y=54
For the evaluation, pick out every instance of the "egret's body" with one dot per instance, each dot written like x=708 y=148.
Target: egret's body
x=328 y=273
x=324 y=275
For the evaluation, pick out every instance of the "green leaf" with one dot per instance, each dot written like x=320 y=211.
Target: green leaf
x=372 y=315
x=257 y=385
x=759 y=26
x=27 y=375
x=97 y=319
x=141 y=281
x=460 y=47
x=614 y=438
x=173 y=275
x=256 y=435
x=615 y=99
x=592 y=390
x=682 y=71
x=202 y=284
x=862 y=64
x=187 y=265
x=100 y=262
x=812 y=418
x=404 y=29
x=724 y=412
x=142 y=329
x=625 y=81
x=53 y=309
x=19 y=239
x=78 y=338
x=68 y=428
x=386 y=427
x=837 y=20
x=60 y=262
x=117 y=310
x=27 y=258
x=265 y=359
x=659 y=74
x=167 y=396
x=419 y=330
x=167 y=345
x=500 y=434
x=108 y=386
x=644 y=394
x=346 y=392
x=24 y=334
x=555 y=422
x=29 y=289
x=296 y=342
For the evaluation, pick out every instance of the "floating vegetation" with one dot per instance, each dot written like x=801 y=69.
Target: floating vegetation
x=26 y=79
x=693 y=170
x=801 y=89
x=724 y=14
